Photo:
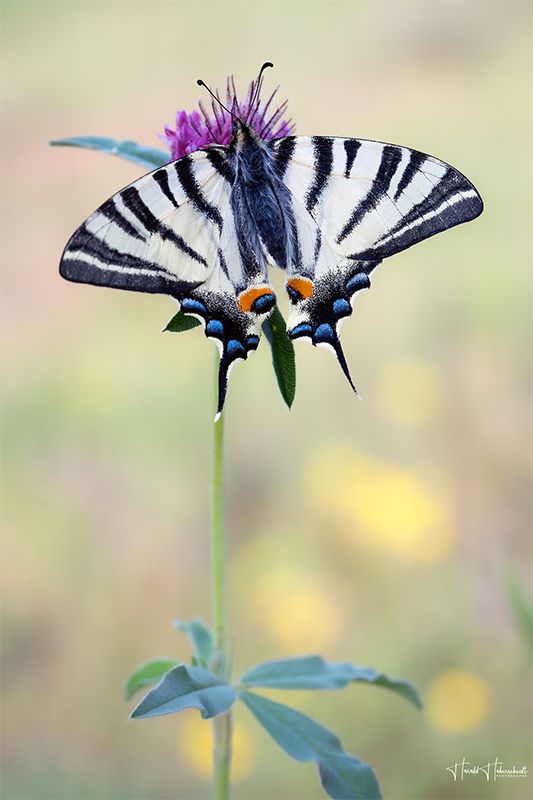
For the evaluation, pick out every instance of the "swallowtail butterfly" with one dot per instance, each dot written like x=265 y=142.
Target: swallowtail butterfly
x=206 y=228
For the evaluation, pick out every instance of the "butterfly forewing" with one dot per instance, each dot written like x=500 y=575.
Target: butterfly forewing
x=155 y=235
x=372 y=199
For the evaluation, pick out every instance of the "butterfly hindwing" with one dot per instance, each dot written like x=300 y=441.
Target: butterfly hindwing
x=321 y=283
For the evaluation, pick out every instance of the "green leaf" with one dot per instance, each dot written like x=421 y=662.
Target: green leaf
x=187 y=687
x=343 y=776
x=283 y=359
x=312 y=672
x=146 y=674
x=200 y=637
x=149 y=157
x=181 y=322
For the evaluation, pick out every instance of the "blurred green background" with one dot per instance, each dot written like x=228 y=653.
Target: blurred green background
x=384 y=532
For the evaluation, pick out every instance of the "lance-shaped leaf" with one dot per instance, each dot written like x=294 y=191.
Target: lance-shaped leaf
x=149 y=157
x=187 y=687
x=146 y=674
x=181 y=322
x=283 y=359
x=343 y=776
x=313 y=672
x=200 y=637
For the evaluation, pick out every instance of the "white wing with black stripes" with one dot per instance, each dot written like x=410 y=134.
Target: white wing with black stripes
x=356 y=202
x=204 y=229
x=160 y=234
x=173 y=232
x=371 y=199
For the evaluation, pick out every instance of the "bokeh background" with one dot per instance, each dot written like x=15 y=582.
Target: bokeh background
x=393 y=532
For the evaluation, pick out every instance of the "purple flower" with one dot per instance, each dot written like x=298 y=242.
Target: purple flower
x=200 y=128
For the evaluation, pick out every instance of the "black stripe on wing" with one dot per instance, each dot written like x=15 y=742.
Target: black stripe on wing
x=323 y=148
x=452 y=201
x=193 y=191
x=112 y=213
x=414 y=164
x=284 y=148
x=88 y=259
x=134 y=203
x=448 y=187
x=115 y=278
x=161 y=178
x=390 y=159
x=221 y=163
x=86 y=242
x=351 y=146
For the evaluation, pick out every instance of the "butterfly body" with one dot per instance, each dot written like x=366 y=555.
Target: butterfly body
x=206 y=228
x=260 y=200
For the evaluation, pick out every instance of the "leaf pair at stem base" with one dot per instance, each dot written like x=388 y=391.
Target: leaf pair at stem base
x=342 y=775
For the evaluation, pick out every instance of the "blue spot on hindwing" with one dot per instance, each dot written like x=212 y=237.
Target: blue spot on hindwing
x=341 y=308
x=252 y=342
x=303 y=329
x=324 y=333
x=193 y=306
x=263 y=303
x=294 y=296
x=214 y=328
x=358 y=281
x=235 y=349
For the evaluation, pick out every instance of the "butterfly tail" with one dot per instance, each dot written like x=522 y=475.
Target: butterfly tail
x=325 y=335
x=234 y=332
x=318 y=316
x=223 y=369
x=342 y=361
x=227 y=359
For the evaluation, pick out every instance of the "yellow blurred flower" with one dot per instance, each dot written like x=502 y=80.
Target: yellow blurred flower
x=304 y=616
x=195 y=746
x=410 y=391
x=381 y=506
x=458 y=701
x=400 y=512
x=297 y=611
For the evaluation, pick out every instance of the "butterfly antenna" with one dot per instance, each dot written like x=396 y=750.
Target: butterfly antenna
x=257 y=89
x=200 y=82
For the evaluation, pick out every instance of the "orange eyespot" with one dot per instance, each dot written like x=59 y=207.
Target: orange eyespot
x=248 y=298
x=303 y=286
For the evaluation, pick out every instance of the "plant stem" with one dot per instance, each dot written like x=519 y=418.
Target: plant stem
x=217 y=542
x=221 y=755
x=221 y=723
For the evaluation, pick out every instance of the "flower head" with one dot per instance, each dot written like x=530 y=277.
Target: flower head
x=200 y=128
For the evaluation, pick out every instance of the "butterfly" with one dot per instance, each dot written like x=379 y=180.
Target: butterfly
x=207 y=227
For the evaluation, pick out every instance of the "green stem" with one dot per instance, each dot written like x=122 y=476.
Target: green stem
x=222 y=755
x=221 y=723
x=217 y=542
